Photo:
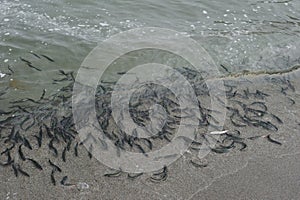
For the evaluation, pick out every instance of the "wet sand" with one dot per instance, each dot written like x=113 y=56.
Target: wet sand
x=263 y=170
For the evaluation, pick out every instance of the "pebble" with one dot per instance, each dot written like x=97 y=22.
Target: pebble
x=82 y=186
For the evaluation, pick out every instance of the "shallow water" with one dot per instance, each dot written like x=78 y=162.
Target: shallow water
x=237 y=34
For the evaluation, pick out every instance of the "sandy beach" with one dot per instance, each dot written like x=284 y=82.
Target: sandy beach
x=263 y=170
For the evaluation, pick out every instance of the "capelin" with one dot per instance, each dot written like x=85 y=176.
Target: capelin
x=160 y=176
x=48 y=58
x=21 y=153
x=35 y=163
x=55 y=167
x=134 y=176
x=117 y=173
x=272 y=140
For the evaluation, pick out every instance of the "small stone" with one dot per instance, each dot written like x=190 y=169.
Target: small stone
x=82 y=186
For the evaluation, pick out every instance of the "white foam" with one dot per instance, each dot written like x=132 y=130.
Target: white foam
x=2 y=75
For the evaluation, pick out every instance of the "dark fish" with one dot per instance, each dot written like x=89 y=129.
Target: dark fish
x=220 y=150
x=24 y=60
x=21 y=153
x=244 y=145
x=290 y=85
x=141 y=149
x=277 y=118
x=147 y=142
x=39 y=138
x=292 y=100
x=63 y=155
x=23 y=172
x=224 y=68
x=76 y=149
x=272 y=140
x=198 y=164
x=36 y=55
x=31 y=66
x=14 y=167
x=48 y=131
x=266 y=125
x=8 y=149
x=43 y=94
x=52 y=148
x=114 y=174
x=255 y=137
x=24 y=122
x=10 y=69
x=134 y=176
x=160 y=176
x=8 y=157
x=48 y=58
x=55 y=167
x=53 y=178
x=35 y=163
x=69 y=145
x=90 y=150
x=26 y=143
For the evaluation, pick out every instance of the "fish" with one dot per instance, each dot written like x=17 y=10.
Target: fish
x=21 y=153
x=272 y=140
x=48 y=58
x=223 y=66
x=63 y=155
x=52 y=177
x=244 y=145
x=52 y=148
x=219 y=150
x=277 y=118
x=266 y=125
x=36 y=55
x=40 y=137
x=35 y=163
x=160 y=176
x=24 y=60
x=117 y=173
x=290 y=85
x=33 y=67
x=15 y=169
x=26 y=143
x=50 y=135
x=10 y=69
x=23 y=172
x=76 y=149
x=134 y=176
x=43 y=94
x=141 y=149
x=198 y=164
x=55 y=167
x=90 y=150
